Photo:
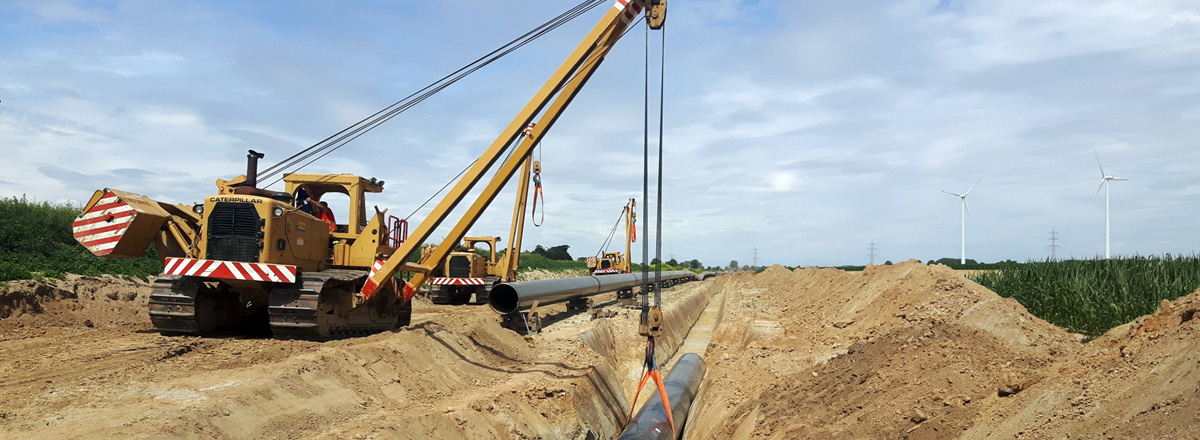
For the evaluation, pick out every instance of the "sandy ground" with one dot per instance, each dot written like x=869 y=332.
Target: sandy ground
x=79 y=359
x=916 y=351
x=901 y=351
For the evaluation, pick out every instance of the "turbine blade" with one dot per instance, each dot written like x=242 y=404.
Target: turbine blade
x=1101 y=165
x=972 y=187
x=966 y=207
x=1102 y=181
x=1118 y=178
x=953 y=194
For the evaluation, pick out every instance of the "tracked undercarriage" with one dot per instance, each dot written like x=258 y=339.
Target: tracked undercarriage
x=318 y=306
x=461 y=294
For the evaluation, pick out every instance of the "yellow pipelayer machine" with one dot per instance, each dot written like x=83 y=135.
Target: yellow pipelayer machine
x=252 y=258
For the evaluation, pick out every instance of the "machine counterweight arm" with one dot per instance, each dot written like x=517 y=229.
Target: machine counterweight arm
x=572 y=74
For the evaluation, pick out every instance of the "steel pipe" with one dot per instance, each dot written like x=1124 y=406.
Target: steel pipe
x=682 y=384
x=511 y=297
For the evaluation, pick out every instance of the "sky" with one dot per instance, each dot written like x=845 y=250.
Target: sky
x=794 y=132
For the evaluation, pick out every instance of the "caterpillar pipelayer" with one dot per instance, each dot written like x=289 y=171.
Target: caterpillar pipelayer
x=247 y=258
x=252 y=258
x=465 y=272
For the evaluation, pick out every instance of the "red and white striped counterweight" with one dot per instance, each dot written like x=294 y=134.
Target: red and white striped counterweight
x=233 y=270
x=440 y=281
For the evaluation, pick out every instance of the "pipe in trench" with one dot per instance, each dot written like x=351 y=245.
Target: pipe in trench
x=682 y=384
x=511 y=297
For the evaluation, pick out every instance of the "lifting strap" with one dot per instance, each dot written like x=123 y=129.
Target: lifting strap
x=633 y=230
x=652 y=372
x=537 y=181
x=537 y=194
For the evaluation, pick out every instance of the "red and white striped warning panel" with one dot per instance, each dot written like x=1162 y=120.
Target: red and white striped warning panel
x=592 y=261
x=630 y=9
x=102 y=227
x=606 y=271
x=456 y=281
x=234 y=270
x=375 y=268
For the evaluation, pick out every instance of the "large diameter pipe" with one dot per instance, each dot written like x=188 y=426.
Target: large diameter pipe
x=510 y=297
x=681 y=384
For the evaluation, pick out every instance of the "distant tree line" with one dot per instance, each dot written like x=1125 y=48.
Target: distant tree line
x=554 y=253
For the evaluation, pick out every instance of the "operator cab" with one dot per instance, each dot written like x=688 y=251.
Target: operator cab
x=351 y=217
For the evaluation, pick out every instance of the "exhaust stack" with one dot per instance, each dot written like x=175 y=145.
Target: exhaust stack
x=252 y=168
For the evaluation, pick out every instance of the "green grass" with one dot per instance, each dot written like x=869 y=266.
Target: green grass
x=532 y=261
x=1093 y=296
x=36 y=242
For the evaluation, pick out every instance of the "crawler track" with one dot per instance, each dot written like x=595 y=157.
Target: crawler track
x=321 y=308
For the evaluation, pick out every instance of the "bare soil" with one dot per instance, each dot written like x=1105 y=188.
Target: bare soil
x=916 y=351
x=901 y=351
x=79 y=359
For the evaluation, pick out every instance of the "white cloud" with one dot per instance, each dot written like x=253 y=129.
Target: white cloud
x=61 y=10
x=804 y=129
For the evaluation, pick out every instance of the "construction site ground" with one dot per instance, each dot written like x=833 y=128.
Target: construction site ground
x=900 y=351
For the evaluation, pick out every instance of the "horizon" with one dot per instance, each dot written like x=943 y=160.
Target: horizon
x=800 y=133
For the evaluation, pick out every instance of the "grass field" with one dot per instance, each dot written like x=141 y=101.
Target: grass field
x=36 y=241
x=1093 y=296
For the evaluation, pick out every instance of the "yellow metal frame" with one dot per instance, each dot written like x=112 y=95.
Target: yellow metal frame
x=558 y=92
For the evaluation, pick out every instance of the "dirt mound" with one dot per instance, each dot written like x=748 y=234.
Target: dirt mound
x=870 y=354
x=900 y=351
x=454 y=373
x=1139 y=380
x=450 y=375
x=77 y=301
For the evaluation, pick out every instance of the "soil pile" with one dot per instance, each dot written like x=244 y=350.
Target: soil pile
x=76 y=301
x=1139 y=380
x=82 y=361
x=916 y=351
x=901 y=351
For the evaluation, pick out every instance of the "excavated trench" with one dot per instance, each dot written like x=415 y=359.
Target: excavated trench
x=902 y=351
x=87 y=364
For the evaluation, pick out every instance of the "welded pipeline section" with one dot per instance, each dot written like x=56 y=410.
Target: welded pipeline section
x=511 y=297
x=682 y=384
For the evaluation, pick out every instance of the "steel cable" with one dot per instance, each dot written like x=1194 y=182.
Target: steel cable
x=337 y=140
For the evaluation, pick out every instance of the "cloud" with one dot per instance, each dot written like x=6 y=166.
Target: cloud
x=61 y=10
x=805 y=130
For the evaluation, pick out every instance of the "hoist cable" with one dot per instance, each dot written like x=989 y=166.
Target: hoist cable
x=646 y=176
x=460 y=173
x=354 y=131
x=611 y=233
x=354 y=134
x=658 y=217
x=424 y=92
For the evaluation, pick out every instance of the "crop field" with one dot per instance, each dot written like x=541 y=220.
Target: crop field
x=1093 y=296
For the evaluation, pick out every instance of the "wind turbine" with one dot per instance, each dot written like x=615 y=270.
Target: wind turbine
x=1104 y=178
x=965 y=212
